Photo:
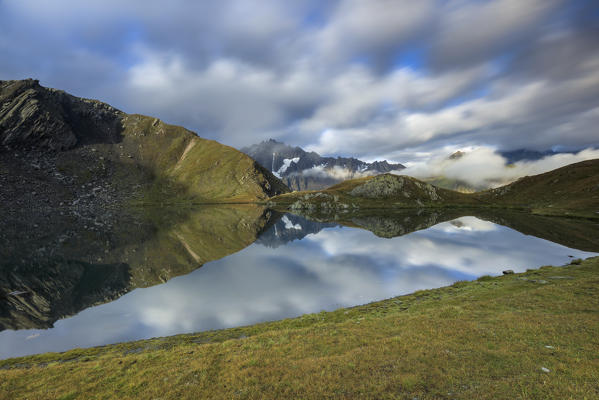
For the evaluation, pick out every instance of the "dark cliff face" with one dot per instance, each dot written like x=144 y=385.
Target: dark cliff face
x=33 y=116
x=301 y=170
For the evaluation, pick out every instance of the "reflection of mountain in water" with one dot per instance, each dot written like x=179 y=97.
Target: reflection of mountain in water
x=59 y=269
x=289 y=228
x=402 y=223
x=35 y=296
x=574 y=233
x=385 y=223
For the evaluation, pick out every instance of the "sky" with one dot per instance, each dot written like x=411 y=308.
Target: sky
x=375 y=79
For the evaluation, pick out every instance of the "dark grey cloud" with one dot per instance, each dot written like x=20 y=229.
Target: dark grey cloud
x=348 y=77
x=478 y=31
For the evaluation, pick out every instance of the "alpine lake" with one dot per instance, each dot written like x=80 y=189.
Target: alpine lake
x=164 y=272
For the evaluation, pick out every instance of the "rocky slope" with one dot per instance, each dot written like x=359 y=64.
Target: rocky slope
x=301 y=170
x=68 y=143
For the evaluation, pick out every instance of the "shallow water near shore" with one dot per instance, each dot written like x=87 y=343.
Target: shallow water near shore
x=280 y=267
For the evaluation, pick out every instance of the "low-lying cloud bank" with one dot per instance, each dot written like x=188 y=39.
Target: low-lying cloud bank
x=336 y=172
x=483 y=168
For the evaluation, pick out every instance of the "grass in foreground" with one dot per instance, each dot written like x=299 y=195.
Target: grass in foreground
x=531 y=335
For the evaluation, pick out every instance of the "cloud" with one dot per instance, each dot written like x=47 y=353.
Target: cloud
x=335 y=172
x=239 y=100
x=471 y=32
x=375 y=30
x=538 y=114
x=358 y=97
x=349 y=77
x=483 y=168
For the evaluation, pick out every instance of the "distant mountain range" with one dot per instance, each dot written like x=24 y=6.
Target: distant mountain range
x=302 y=170
x=572 y=190
x=513 y=156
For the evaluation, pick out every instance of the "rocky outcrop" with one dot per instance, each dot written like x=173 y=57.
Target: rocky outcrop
x=32 y=116
x=384 y=186
x=381 y=191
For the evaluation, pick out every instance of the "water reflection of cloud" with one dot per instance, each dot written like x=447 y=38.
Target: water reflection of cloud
x=483 y=248
x=467 y=224
x=324 y=271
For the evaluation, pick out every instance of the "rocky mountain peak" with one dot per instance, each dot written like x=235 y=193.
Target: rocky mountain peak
x=457 y=155
x=32 y=116
x=302 y=170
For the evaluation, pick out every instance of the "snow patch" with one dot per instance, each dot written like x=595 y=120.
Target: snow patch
x=289 y=224
x=286 y=163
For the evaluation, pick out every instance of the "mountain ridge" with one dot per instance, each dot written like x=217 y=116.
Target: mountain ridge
x=302 y=170
x=56 y=137
x=572 y=191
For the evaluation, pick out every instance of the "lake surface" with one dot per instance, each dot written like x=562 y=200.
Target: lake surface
x=292 y=266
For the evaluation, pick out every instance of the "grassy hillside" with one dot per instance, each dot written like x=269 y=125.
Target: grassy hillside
x=532 y=335
x=207 y=171
x=381 y=191
x=85 y=142
x=571 y=191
